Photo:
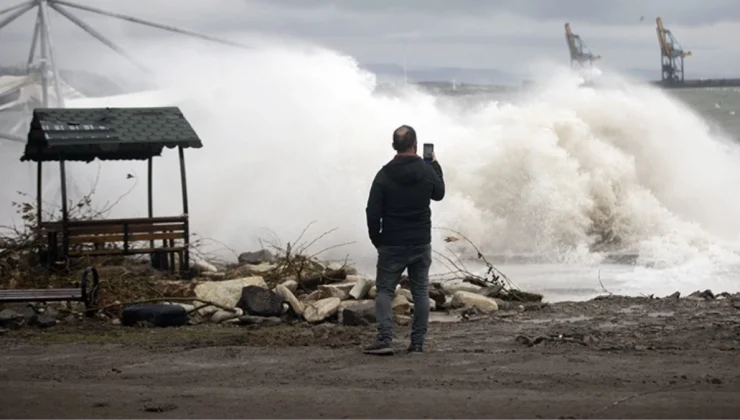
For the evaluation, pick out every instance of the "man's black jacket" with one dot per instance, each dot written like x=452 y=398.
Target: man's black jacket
x=398 y=210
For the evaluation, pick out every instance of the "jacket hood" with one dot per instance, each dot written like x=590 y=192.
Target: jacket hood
x=405 y=170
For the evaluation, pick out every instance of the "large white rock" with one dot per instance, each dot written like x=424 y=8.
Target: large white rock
x=225 y=293
x=401 y=305
x=261 y=268
x=311 y=297
x=361 y=288
x=453 y=286
x=463 y=299
x=321 y=309
x=405 y=293
x=291 y=285
x=205 y=266
x=339 y=290
x=289 y=297
x=225 y=316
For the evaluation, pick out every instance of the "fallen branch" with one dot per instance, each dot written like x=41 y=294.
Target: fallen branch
x=609 y=294
x=493 y=275
x=500 y=285
x=205 y=303
x=530 y=341
x=294 y=261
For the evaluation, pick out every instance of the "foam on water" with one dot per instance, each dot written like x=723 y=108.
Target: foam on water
x=293 y=135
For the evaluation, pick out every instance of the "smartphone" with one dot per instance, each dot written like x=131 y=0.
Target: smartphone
x=428 y=152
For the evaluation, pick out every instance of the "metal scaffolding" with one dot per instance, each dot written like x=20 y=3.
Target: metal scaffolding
x=42 y=41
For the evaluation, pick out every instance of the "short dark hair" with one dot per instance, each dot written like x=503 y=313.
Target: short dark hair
x=404 y=138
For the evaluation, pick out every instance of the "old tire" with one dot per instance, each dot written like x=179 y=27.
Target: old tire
x=158 y=315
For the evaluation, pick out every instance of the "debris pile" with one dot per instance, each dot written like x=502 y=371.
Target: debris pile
x=269 y=290
x=261 y=288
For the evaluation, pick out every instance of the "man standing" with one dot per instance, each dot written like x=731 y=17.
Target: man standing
x=400 y=227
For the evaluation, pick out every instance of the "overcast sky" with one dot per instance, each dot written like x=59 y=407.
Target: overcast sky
x=504 y=34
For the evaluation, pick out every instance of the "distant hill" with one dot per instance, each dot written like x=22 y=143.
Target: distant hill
x=85 y=82
x=480 y=76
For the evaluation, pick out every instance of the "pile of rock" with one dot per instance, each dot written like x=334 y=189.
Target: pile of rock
x=335 y=294
x=18 y=315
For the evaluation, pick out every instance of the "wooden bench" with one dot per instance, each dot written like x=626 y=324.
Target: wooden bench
x=93 y=238
x=88 y=293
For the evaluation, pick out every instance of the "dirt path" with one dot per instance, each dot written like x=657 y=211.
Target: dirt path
x=620 y=358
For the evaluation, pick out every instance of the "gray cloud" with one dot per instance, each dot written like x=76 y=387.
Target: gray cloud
x=688 y=12
x=503 y=34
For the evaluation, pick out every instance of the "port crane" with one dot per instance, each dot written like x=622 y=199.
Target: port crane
x=671 y=55
x=579 y=52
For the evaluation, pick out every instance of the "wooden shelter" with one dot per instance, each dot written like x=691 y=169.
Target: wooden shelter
x=85 y=134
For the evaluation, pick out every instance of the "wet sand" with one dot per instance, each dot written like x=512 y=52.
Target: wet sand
x=614 y=358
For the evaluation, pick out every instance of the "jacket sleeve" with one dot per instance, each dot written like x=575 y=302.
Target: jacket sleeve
x=438 y=182
x=374 y=211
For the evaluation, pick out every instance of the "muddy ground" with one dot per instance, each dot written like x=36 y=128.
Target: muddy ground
x=620 y=357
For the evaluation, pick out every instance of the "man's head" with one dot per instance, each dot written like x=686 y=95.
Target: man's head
x=404 y=139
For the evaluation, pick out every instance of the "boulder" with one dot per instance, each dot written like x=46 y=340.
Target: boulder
x=359 y=315
x=11 y=319
x=257 y=269
x=405 y=293
x=256 y=300
x=361 y=288
x=438 y=296
x=327 y=291
x=42 y=321
x=402 y=320
x=311 y=297
x=256 y=257
x=321 y=309
x=453 y=286
x=226 y=293
x=339 y=290
x=491 y=291
x=463 y=299
x=226 y=316
x=401 y=305
x=291 y=285
x=205 y=267
x=351 y=303
x=288 y=296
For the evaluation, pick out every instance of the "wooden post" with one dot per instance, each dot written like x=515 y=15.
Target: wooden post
x=39 y=210
x=185 y=260
x=150 y=194
x=38 y=195
x=65 y=213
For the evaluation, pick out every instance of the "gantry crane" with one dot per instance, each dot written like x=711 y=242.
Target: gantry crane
x=671 y=55
x=579 y=52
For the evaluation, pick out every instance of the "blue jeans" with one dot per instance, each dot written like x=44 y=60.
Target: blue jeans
x=392 y=261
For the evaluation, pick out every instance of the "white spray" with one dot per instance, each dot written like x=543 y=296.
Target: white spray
x=293 y=135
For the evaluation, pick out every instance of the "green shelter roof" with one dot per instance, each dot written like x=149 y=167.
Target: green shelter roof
x=86 y=134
